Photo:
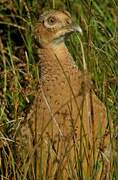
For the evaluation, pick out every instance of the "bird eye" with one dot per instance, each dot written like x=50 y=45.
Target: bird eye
x=51 y=20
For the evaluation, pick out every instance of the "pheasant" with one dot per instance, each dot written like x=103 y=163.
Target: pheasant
x=66 y=132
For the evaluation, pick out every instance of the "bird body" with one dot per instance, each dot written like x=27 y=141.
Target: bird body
x=67 y=125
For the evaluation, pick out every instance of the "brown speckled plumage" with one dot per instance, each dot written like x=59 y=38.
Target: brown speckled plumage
x=65 y=111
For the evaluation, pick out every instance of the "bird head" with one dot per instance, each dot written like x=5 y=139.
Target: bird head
x=53 y=26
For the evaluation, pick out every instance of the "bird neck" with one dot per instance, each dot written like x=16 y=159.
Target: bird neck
x=55 y=59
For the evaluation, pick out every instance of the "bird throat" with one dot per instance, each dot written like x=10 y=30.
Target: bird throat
x=58 y=41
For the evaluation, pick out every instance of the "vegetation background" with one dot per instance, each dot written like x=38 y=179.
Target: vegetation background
x=19 y=69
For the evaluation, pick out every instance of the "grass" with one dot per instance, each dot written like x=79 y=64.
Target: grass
x=19 y=73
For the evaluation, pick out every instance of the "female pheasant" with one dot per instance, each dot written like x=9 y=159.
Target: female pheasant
x=66 y=133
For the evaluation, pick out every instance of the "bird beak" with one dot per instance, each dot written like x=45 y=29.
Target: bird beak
x=74 y=28
x=77 y=28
